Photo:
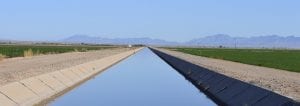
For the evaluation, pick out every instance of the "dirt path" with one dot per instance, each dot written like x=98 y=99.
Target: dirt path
x=280 y=81
x=15 y=69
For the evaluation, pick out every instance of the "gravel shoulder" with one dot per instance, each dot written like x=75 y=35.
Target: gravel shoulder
x=280 y=81
x=15 y=69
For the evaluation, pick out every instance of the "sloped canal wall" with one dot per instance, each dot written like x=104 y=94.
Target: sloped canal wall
x=222 y=89
x=40 y=88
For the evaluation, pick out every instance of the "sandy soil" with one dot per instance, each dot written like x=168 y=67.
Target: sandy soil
x=15 y=69
x=280 y=81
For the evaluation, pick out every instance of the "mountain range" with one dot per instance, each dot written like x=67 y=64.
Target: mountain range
x=270 y=41
x=100 y=40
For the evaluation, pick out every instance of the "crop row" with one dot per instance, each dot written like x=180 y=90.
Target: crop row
x=280 y=59
x=24 y=50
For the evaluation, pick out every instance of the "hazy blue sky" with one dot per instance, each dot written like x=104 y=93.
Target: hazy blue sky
x=174 y=20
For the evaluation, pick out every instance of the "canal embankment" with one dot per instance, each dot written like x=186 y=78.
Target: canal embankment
x=224 y=90
x=280 y=81
x=36 y=89
x=18 y=68
x=142 y=79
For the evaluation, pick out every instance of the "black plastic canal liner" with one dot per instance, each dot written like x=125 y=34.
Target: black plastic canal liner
x=225 y=90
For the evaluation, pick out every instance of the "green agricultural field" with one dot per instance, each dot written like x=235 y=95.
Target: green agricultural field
x=10 y=51
x=280 y=59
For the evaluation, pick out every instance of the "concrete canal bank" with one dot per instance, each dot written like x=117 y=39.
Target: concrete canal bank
x=222 y=89
x=40 y=88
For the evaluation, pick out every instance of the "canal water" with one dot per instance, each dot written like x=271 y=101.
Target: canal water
x=143 y=79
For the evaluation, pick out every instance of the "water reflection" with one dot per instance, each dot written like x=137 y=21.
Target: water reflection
x=141 y=80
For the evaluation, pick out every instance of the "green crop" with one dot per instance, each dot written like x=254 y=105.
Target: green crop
x=280 y=59
x=10 y=51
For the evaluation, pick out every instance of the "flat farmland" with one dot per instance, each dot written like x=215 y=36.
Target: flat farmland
x=280 y=59
x=9 y=51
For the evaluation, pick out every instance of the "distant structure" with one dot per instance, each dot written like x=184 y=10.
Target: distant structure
x=129 y=46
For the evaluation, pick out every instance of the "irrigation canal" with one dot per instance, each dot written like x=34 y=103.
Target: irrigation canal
x=143 y=79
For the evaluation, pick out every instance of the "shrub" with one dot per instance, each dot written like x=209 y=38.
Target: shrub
x=2 y=57
x=28 y=53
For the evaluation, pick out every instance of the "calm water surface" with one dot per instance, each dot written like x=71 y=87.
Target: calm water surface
x=140 y=80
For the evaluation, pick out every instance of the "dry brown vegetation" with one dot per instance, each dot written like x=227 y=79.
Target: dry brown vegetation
x=2 y=57
x=28 y=53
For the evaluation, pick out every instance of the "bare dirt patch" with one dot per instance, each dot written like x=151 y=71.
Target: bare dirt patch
x=280 y=81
